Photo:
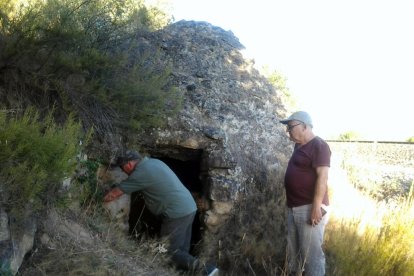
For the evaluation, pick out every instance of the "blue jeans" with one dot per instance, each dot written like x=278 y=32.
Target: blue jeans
x=178 y=231
x=304 y=242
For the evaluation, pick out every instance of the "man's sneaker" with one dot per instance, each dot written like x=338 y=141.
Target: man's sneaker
x=213 y=272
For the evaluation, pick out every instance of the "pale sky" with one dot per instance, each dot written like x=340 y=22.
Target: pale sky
x=349 y=63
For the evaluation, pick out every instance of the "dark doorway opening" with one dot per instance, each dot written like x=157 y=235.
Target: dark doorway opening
x=144 y=223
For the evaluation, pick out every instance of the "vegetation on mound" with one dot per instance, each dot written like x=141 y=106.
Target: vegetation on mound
x=84 y=57
x=70 y=68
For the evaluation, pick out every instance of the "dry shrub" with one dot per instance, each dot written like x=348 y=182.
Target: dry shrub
x=252 y=241
x=361 y=247
x=108 y=252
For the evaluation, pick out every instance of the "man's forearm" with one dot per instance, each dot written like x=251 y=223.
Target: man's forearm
x=321 y=185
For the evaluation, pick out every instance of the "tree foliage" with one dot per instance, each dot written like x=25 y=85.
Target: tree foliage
x=279 y=82
x=81 y=56
x=349 y=136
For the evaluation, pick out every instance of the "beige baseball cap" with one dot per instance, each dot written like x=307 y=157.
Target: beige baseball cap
x=300 y=116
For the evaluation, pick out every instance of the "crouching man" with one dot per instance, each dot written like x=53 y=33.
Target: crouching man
x=166 y=197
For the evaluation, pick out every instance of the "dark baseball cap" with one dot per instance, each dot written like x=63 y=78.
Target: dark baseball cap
x=129 y=155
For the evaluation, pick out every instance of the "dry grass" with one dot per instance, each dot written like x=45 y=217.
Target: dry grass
x=367 y=237
x=107 y=252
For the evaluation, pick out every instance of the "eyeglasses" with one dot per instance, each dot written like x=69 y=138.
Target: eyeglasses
x=289 y=128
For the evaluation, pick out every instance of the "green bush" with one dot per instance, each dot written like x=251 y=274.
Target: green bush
x=86 y=185
x=280 y=83
x=35 y=157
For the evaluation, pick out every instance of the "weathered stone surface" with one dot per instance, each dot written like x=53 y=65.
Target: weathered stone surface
x=222 y=208
x=23 y=244
x=219 y=213
x=107 y=176
x=218 y=159
x=4 y=226
x=223 y=188
x=215 y=133
x=212 y=219
x=55 y=223
x=230 y=112
x=15 y=244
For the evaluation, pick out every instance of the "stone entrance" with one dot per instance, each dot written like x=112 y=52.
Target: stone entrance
x=142 y=222
x=208 y=171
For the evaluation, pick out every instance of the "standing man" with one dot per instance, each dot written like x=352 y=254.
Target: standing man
x=307 y=196
x=166 y=197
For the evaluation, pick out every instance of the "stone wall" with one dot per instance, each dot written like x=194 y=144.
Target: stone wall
x=229 y=122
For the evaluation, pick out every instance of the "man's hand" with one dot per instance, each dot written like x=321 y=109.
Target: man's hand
x=113 y=194
x=316 y=216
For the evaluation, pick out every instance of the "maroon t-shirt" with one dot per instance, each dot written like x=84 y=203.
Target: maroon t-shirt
x=300 y=177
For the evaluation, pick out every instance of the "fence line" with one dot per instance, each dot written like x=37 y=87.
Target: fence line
x=369 y=142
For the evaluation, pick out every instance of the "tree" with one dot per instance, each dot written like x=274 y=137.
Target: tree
x=279 y=82
x=84 y=57
x=349 y=136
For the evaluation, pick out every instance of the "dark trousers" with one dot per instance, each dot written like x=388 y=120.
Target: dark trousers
x=178 y=231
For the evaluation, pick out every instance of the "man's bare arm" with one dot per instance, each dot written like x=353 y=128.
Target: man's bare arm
x=320 y=189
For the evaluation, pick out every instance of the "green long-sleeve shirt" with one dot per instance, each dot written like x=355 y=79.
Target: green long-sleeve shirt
x=163 y=192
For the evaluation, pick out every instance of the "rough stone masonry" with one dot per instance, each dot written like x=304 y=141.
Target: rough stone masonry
x=229 y=122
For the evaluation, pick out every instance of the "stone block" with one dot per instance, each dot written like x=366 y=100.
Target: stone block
x=118 y=210
x=222 y=208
